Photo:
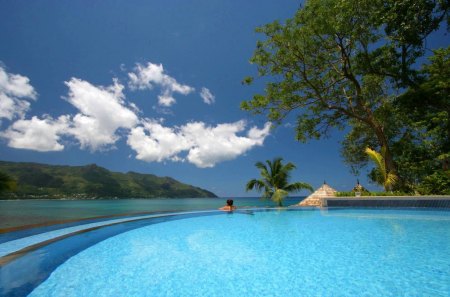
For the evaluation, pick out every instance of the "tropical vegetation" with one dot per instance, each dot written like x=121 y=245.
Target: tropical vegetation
x=382 y=175
x=353 y=65
x=91 y=182
x=274 y=182
x=7 y=183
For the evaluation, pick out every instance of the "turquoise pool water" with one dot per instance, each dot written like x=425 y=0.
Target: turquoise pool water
x=335 y=252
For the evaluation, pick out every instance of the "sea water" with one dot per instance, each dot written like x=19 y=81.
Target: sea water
x=14 y=213
x=335 y=252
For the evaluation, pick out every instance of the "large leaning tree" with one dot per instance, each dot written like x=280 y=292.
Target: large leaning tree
x=418 y=126
x=341 y=63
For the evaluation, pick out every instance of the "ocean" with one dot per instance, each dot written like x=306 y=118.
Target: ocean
x=17 y=213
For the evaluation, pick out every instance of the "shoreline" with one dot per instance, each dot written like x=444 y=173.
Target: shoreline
x=105 y=199
x=227 y=197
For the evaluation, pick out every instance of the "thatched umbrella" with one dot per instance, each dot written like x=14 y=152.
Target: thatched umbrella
x=315 y=198
x=359 y=189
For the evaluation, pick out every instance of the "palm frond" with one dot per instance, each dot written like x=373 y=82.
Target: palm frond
x=289 y=167
x=274 y=182
x=278 y=196
x=377 y=158
x=265 y=174
x=294 y=187
x=255 y=184
x=281 y=175
x=391 y=180
x=261 y=166
x=268 y=193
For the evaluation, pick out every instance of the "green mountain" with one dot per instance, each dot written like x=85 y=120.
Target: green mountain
x=91 y=182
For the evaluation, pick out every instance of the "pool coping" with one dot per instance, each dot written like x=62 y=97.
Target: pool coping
x=386 y=201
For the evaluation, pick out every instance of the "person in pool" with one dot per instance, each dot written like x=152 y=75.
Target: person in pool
x=229 y=206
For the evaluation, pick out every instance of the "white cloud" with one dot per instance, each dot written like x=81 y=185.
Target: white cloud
x=135 y=108
x=162 y=110
x=103 y=115
x=221 y=143
x=36 y=134
x=153 y=142
x=166 y=100
x=14 y=89
x=205 y=145
x=207 y=96
x=102 y=112
x=153 y=75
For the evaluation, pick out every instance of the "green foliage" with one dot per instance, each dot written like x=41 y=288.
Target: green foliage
x=274 y=183
x=404 y=25
x=6 y=183
x=101 y=182
x=341 y=64
x=37 y=178
x=427 y=107
x=386 y=178
x=425 y=111
x=91 y=181
x=437 y=183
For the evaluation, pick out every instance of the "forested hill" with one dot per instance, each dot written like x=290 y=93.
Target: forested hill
x=91 y=182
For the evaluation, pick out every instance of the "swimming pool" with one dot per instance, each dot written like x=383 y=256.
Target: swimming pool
x=331 y=252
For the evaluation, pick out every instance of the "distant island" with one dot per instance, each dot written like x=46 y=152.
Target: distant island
x=41 y=181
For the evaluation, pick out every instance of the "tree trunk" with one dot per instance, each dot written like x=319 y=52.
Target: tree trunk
x=383 y=142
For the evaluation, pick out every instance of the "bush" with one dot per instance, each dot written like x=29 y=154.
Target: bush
x=436 y=184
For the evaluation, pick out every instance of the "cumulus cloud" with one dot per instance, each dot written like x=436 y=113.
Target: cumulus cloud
x=207 y=96
x=147 y=77
x=166 y=99
x=102 y=111
x=41 y=135
x=221 y=143
x=14 y=90
x=154 y=142
x=205 y=145
x=103 y=115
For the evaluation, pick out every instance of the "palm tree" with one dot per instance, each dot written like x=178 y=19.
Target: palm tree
x=388 y=178
x=274 y=182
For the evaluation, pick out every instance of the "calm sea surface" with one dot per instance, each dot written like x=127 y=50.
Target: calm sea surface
x=15 y=213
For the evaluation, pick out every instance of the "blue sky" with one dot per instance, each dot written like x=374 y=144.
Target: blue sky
x=147 y=86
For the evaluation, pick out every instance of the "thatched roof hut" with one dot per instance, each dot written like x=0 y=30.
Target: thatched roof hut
x=315 y=198
x=359 y=188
